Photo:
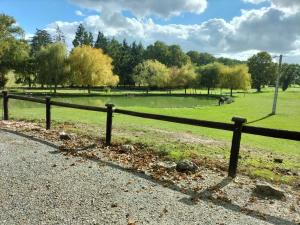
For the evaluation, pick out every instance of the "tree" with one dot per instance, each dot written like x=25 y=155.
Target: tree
x=40 y=39
x=194 y=57
x=160 y=74
x=206 y=58
x=228 y=61
x=177 y=57
x=90 y=67
x=13 y=49
x=26 y=71
x=262 y=70
x=82 y=37
x=90 y=39
x=183 y=77
x=151 y=73
x=158 y=51
x=201 y=59
x=235 y=77
x=102 y=42
x=114 y=50
x=168 y=55
x=51 y=63
x=59 y=36
x=124 y=65
x=289 y=74
x=209 y=75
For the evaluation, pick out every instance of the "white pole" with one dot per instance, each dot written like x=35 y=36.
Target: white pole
x=277 y=86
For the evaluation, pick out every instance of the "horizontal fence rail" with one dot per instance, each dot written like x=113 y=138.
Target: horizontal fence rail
x=75 y=106
x=237 y=127
x=193 y=122
x=275 y=133
x=27 y=98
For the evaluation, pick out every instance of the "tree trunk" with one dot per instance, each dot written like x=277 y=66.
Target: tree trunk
x=185 y=91
x=258 y=88
x=2 y=80
x=208 y=89
x=89 y=89
x=231 y=92
x=29 y=83
x=55 y=87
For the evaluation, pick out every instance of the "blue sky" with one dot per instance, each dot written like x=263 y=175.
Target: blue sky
x=233 y=28
x=32 y=14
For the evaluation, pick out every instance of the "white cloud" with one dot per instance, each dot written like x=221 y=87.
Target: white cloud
x=254 y=1
x=292 y=5
x=144 y=8
x=270 y=29
x=79 y=13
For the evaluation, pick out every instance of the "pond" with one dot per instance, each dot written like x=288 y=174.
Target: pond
x=131 y=101
x=144 y=101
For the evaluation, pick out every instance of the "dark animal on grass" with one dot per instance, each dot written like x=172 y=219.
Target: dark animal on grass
x=225 y=99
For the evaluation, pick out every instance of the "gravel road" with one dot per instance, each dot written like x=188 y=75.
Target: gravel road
x=38 y=185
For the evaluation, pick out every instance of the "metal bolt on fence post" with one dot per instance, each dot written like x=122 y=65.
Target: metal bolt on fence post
x=48 y=113
x=235 y=145
x=5 y=105
x=109 y=123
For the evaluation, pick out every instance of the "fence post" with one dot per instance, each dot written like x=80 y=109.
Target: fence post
x=109 y=123
x=48 y=113
x=5 y=105
x=235 y=145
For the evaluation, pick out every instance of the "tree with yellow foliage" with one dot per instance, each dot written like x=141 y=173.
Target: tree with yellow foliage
x=91 y=67
x=151 y=73
x=235 y=77
x=184 y=77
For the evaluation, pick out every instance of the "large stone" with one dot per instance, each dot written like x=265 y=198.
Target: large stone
x=278 y=160
x=127 y=148
x=64 y=136
x=167 y=165
x=186 y=166
x=266 y=190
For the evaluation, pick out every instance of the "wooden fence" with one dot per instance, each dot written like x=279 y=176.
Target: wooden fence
x=237 y=127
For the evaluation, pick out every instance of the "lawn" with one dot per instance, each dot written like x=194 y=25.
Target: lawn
x=177 y=141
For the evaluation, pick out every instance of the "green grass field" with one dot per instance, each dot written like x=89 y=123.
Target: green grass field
x=178 y=141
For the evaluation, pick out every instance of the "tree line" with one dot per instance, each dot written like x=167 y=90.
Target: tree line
x=45 y=60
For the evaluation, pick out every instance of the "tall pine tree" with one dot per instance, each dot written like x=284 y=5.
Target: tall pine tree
x=102 y=42
x=40 y=39
x=82 y=37
x=59 y=36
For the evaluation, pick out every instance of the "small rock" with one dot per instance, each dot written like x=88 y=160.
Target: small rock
x=266 y=190
x=64 y=136
x=277 y=160
x=127 y=148
x=168 y=165
x=186 y=166
x=114 y=205
x=296 y=173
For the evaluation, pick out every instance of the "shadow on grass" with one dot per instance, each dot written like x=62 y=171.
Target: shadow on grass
x=205 y=195
x=263 y=118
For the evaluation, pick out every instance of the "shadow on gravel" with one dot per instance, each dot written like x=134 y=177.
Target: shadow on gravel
x=205 y=195
x=31 y=138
